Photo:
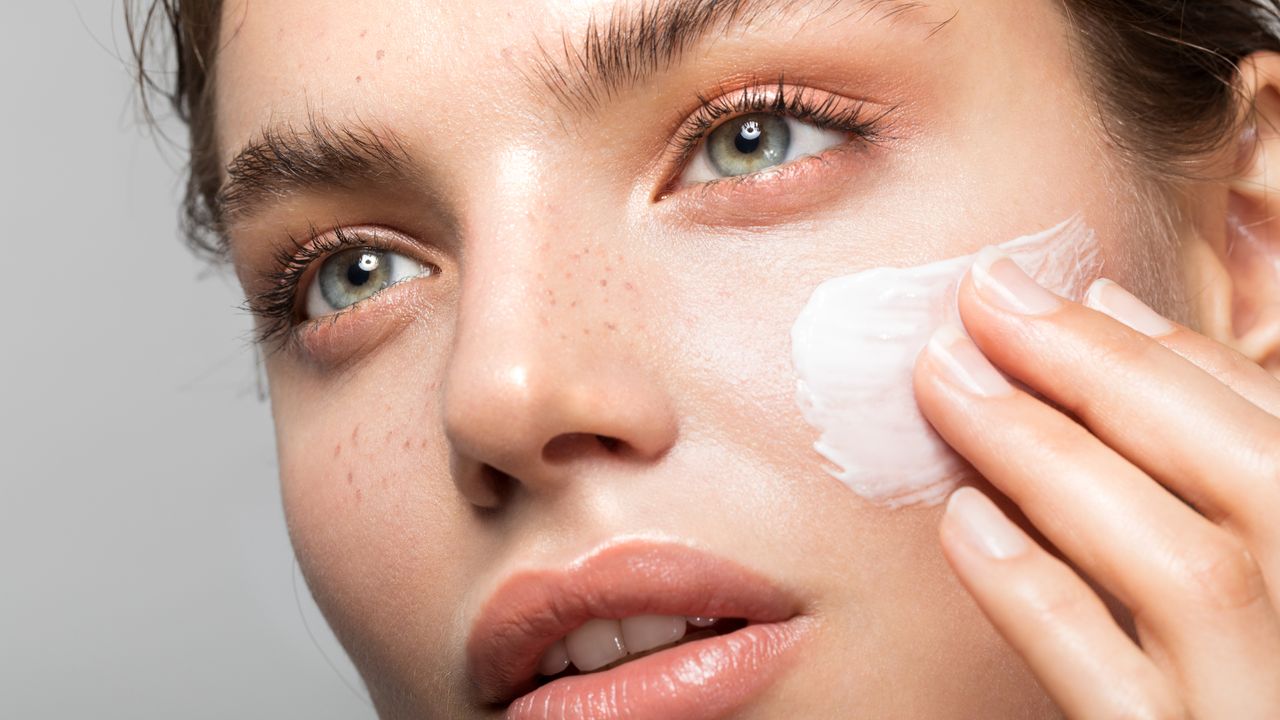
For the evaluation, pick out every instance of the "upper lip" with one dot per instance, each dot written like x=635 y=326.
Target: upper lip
x=534 y=608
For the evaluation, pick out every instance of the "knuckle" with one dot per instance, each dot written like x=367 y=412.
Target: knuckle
x=1220 y=574
x=1055 y=603
x=1118 y=356
x=1152 y=710
x=1150 y=700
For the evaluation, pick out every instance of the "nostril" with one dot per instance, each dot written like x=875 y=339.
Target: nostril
x=568 y=446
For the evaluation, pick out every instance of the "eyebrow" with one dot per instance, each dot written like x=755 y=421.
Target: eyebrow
x=287 y=158
x=637 y=41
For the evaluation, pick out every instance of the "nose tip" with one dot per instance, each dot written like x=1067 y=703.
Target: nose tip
x=526 y=427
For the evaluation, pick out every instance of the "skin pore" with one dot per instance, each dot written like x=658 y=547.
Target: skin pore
x=446 y=433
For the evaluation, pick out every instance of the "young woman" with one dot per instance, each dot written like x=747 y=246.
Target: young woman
x=526 y=273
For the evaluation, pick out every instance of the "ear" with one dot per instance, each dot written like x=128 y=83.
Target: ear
x=1244 y=310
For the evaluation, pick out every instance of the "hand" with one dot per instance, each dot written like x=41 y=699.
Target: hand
x=1151 y=463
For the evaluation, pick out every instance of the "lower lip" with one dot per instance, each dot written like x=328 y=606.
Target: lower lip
x=699 y=680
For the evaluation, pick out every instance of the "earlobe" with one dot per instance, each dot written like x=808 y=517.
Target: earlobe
x=1247 y=317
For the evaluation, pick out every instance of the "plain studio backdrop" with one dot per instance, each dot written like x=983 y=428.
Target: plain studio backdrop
x=145 y=571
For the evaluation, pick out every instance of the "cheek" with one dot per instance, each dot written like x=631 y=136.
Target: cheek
x=855 y=344
x=374 y=519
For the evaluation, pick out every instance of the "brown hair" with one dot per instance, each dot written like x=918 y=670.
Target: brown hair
x=1165 y=72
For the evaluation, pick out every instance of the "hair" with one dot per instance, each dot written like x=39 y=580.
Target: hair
x=1165 y=74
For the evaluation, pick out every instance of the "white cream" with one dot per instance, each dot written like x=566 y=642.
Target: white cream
x=855 y=344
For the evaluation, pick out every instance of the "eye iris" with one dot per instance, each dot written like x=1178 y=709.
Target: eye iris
x=353 y=275
x=749 y=144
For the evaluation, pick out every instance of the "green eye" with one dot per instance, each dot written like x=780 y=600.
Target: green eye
x=748 y=144
x=350 y=276
x=755 y=142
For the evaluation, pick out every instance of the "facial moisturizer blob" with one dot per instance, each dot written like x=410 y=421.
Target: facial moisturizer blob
x=854 y=348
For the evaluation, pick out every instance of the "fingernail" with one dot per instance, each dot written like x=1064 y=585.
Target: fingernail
x=1003 y=283
x=983 y=526
x=1107 y=297
x=964 y=364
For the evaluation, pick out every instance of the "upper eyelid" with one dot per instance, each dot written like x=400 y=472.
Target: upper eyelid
x=794 y=100
x=278 y=305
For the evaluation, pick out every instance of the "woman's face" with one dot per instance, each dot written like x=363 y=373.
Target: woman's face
x=590 y=355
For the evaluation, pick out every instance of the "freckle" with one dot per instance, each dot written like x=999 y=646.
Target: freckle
x=389 y=434
x=359 y=495
x=355 y=436
x=350 y=477
x=424 y=443
x=568 y=276
x=573 y=304
x=406 y=443
x=381 y=54
x=611 y=326
x=553 y=302
x=563 y=336
x=608 y=268
x=363 y=33
x=604 y=283
x=358 y=78
x=630 y=286
x=586 y=251
x=585 y=331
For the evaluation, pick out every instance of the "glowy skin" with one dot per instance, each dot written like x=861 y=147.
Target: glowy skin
x=441 y=436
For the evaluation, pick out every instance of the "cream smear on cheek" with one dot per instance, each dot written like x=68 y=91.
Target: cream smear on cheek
x=854 y=348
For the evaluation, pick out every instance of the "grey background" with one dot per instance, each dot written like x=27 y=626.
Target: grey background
x=145 y=571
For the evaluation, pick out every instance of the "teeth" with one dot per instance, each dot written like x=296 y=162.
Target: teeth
x=645 y=632
x=596 y=644
x=554 y=660
x=702 y=622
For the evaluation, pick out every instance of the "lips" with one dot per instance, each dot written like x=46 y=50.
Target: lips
x=534 y=610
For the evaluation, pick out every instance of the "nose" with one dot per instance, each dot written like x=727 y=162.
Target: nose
x=552 y=374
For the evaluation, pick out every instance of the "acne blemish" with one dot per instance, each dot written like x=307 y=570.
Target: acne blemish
x=854 y=347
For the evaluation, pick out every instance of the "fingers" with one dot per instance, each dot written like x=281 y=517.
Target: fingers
x=1198 y=599
x=1229 y=367
x=1180 y=424
x=1084 y=661
x=1198 y=595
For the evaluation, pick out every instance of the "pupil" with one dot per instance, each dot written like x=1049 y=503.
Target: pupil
x=358 y=273
x=748 y=139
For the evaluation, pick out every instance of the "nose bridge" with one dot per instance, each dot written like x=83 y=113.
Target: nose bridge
x=548 y=342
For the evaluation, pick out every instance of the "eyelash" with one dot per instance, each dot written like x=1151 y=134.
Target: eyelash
x=277 y=307
x=778 y=98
